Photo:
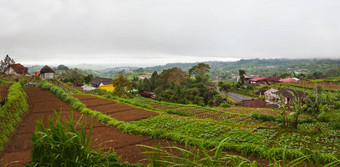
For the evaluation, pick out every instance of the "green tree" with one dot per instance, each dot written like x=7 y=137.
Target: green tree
x=72 y=75
x=120 y=83
x=241 y=74
x=297 y=108
x=282 y=111
x=88 y=78
x=62 y=67
x=4 y=64
x=200 y=68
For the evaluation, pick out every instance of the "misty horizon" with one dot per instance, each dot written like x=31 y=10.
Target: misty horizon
x=144 y=33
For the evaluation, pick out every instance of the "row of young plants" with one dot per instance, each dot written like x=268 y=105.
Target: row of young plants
x=245 y=148
x=264 y=138
x=11 y=112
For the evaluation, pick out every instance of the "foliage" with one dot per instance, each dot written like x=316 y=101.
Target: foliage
x=264 y=117
x=4 y=64
x=88 y=78
x=200 y=156
x=64 y=145
x=241 y=74
x=194 y=157
x=334 y=72
x=199 y=69
x=62 y=67
x=176 y=86
x=121 y=84
x=72 y=75
x=11 y=112
x=225 y=105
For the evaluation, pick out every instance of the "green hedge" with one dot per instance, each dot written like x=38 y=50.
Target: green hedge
x=246 y=149
x=11 y=112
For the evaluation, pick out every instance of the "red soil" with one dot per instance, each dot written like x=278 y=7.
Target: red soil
x=3 y=90
x=114 y=109
x=18 y=149
x=256 y=103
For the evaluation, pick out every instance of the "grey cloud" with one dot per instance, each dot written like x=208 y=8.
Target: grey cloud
x=167 y=30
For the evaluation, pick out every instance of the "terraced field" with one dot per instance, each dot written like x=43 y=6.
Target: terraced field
x=204 y=113
x=43 y=104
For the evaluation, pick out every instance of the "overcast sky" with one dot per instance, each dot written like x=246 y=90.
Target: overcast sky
x=149 y=32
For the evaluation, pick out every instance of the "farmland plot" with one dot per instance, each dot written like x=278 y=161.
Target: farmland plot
x=204 y=113
x=43 y=104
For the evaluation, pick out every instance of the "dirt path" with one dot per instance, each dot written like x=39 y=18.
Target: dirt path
x=238 y=97
x=44 y=103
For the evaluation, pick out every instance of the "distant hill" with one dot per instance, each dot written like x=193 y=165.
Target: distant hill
x=185 y=66
x=33 y=69
x=255 y=63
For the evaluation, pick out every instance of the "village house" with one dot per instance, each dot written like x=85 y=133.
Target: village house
x=289 y=93
x=274 y=79
x=259 y=80
x=98 y=81
x=47 y=73
x=16 y=69
x=270 y=95
x=246 y=78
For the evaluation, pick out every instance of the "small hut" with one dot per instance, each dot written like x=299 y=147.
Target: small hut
x=47 y=73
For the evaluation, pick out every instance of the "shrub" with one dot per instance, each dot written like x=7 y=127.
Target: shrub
x=225 y=105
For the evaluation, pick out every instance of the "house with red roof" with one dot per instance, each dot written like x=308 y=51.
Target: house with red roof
x=274 y=79
x=259 y=80
x=16 y=69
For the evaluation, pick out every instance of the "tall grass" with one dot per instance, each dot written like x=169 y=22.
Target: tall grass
x=11 y=112
x=201 y=157
x=67 y=145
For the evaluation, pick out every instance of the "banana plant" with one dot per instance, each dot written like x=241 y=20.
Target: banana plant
x=297 y=107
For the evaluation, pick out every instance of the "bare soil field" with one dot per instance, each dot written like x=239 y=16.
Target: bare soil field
x=256 y=103
x=119 y=111
x=3 y=90
x=19 y=147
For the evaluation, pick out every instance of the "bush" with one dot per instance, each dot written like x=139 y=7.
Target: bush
x=225 y=105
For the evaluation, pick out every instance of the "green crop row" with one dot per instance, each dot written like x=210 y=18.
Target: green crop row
x=5 y=82
x=11 y=112
x=181 y=136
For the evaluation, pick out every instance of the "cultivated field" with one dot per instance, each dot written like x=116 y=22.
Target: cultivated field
x=43 y=104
